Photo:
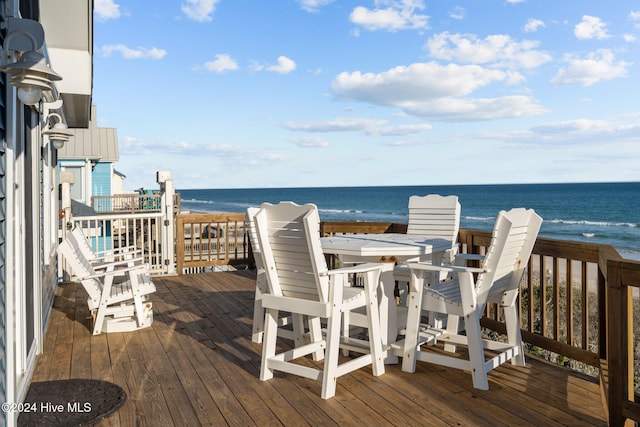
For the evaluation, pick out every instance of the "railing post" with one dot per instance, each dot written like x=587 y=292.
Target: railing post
x=66 y=181
x=620 y=326
x=168 y=239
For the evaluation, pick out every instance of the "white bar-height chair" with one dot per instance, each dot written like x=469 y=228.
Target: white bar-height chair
x=296 y=321
x=498 y=281
x=434 y=217
x=300 y=282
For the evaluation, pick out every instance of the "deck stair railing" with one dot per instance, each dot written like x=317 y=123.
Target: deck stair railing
x=210 y=241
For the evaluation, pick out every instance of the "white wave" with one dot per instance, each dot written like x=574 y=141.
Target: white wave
x=480 y=218
x=338 y=211
x=204 y=202
x=596 y=223
x=589 y=234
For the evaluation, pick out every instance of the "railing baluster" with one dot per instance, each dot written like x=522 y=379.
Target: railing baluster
x=570 y=311
x=556 y=299
x=585 y=307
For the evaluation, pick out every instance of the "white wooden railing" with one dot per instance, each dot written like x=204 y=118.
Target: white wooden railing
x=141 y=231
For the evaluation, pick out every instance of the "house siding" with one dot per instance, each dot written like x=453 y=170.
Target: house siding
x=101 y=179
x=3 y=233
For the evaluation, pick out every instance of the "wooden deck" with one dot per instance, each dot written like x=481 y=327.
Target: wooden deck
x=197 y=366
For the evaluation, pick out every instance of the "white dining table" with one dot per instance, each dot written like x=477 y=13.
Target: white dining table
x=388 y=249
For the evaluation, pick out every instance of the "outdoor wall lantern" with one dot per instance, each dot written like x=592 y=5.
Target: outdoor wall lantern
x=28 y=69
x=58 y=133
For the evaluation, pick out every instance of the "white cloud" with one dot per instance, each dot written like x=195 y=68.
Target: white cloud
x=573 y=126
x=591 y=27
x=199 y=10
x=635 y=16
x=457 y=13
x=242 y=154
x=433 y=91
x=391 y=15
x=129 y=53
x=373 y=127
x=603 y=133
x=515 y=1
x=420 y=81
x=334 y=125
x=106 y=9
x=310 y=142
x=596 y=67
x=533 y=25
x=497 y=49
x=629 y=38
x=222 y=63
x=459 y=110
x=400 y=130
x=285 y=65
x=313 y=5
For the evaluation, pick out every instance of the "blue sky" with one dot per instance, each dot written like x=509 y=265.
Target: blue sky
x=293 y=93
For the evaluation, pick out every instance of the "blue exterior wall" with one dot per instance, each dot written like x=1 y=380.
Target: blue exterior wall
x=101 y=180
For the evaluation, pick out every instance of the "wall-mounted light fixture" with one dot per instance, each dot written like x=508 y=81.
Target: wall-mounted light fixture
x=28 y=70
x=58 y=133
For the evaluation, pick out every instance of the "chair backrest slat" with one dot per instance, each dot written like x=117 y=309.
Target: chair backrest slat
x=514 y=235
x=80 y=242
x=434 y=216
x=290 y=257
x=82 y=268
x=253 y=237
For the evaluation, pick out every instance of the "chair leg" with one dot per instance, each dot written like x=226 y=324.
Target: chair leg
x=137 y=300
x=258 y=318
x=315 y=335
x=269 y=343
x=452 y=329
x=98 y=321
x=330 y=371
x=373 y=317
x=414 y=303
x=346 y=325
x=476 y=351
x=297 y=321
x=514 y=337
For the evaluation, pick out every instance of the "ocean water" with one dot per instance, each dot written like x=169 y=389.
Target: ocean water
x=606 y=213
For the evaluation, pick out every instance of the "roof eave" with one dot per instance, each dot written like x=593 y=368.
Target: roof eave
x=68 y=26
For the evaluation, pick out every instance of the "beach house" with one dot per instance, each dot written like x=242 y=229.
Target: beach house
x=32 y=120
x=91 y=159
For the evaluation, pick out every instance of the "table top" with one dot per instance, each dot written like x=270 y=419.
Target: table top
x=386 y=244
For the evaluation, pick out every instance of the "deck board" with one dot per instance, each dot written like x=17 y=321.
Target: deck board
x=197 y=365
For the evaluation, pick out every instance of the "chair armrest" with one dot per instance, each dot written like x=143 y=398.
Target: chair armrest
x=116 y=272
x=447 y=268
x=119 y=252
x=360 y=268
x=100 y=265
x=471 y=257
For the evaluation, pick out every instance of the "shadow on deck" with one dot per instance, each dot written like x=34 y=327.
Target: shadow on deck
x=197 y=366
